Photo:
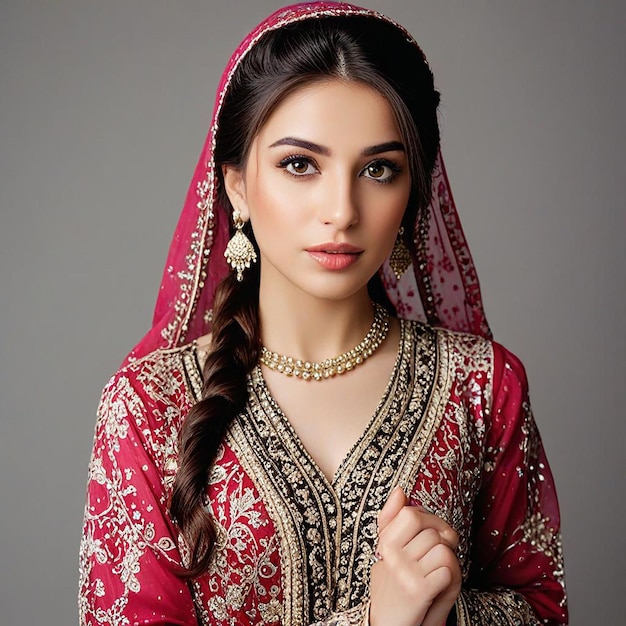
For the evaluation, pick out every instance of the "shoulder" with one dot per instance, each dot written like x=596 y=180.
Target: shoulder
x=473 y=358
x=160 y=376
x=476 y=349
x=458 y=349
x=149 y=398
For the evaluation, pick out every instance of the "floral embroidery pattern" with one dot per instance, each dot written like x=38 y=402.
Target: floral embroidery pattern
x=293 y=548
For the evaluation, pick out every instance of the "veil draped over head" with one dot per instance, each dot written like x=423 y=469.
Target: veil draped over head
x=440 y=288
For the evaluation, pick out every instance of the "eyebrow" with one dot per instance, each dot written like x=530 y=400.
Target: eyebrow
x=389 y=146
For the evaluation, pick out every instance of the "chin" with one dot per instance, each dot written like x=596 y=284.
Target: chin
x=333 y=287
x=299 y=279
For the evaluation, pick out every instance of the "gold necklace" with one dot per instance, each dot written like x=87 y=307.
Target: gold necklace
x=341 y=364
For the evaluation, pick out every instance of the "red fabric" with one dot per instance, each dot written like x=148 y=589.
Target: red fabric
x=129 y=555
x=485 y=453
x=195 y=262
x=518 y=500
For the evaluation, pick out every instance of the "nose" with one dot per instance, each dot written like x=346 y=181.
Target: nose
x=340 y=208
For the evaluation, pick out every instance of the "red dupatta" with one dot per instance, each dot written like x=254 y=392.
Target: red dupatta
x=441 y=287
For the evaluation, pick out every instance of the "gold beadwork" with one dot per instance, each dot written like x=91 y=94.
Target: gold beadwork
x=334 y=366
x=400 y=258
x=240 y=252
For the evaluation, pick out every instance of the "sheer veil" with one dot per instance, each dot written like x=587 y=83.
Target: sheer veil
x=440 y=288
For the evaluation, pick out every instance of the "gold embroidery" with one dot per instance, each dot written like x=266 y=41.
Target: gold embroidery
x=333 y=525
x=500 y=607
x=291 y=547
x=113 y=512
x=357 y=616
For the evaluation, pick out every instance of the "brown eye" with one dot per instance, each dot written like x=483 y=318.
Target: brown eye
x=376 y=170
x=381 y=170
x=298 y=166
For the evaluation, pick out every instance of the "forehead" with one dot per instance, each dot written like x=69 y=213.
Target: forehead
x=334 y=113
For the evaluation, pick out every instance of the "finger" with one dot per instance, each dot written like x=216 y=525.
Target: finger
x=437 y=557
x=422 y=544
x=449 y=536
x=395 y=502
x=439 y=580
x=407 y=524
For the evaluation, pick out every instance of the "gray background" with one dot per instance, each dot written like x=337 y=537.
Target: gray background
x=103 y=111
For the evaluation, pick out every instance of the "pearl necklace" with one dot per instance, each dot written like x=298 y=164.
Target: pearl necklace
x=341 y=364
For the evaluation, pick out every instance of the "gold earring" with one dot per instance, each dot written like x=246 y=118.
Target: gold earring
x=400 y=258
x=240 y=252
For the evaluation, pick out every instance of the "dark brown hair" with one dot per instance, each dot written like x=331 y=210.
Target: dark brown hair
x=357 y=48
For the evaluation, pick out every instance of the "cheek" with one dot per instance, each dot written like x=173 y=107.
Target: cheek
x=275 y=207
x=271 y=197
x=278 y=218
x=386 y=209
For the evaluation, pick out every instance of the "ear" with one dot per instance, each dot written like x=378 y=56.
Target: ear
x=235 y=187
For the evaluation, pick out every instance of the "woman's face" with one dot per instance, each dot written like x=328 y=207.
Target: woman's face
x=325 y=187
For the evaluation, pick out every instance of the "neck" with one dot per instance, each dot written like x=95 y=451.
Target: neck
x=313 y=329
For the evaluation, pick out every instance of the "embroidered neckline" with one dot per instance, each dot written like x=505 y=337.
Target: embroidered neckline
x=258 y=385
x=327 y=529
x=334 y=522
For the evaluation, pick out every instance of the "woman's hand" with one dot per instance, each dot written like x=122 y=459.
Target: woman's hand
x=418 y=577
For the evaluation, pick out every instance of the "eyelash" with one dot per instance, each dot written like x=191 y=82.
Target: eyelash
x=295 y=158
x=392 y=165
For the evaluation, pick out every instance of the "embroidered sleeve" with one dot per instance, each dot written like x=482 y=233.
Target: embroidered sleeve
x=356 y=616
x=516 y=572
x=128 y=554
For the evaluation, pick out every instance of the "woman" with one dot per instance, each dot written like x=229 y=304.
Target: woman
x=402 y=482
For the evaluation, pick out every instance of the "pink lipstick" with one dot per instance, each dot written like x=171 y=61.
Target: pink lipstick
x=335 y=256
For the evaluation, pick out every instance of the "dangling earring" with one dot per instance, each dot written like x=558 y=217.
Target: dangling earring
x=400 y=257
x=240 y=252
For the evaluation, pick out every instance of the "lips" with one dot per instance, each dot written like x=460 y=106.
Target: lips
x=335 y=256
x=335 y=248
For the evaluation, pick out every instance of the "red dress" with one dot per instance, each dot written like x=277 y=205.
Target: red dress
x=454 y=429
